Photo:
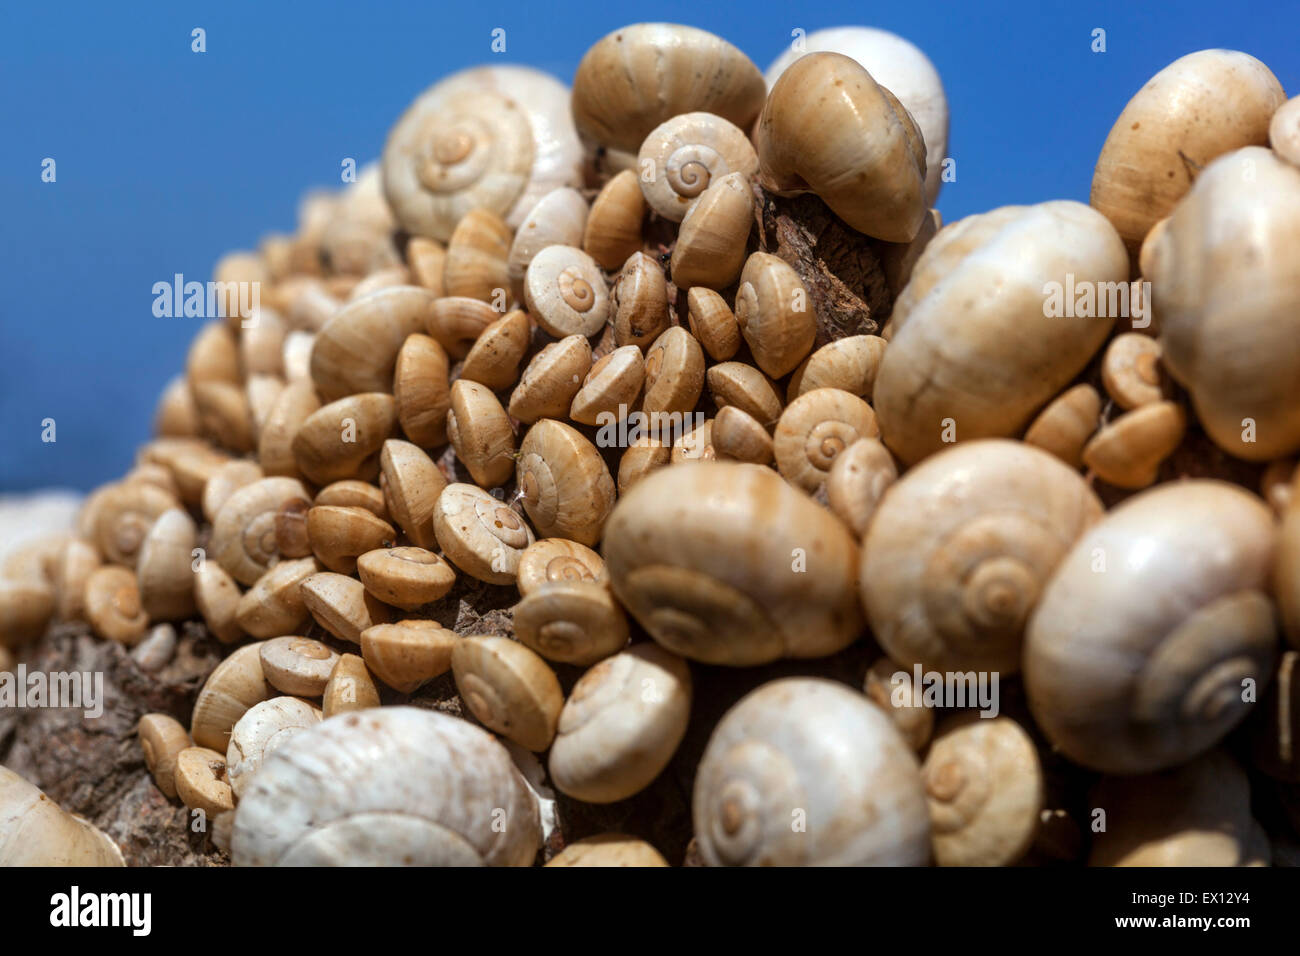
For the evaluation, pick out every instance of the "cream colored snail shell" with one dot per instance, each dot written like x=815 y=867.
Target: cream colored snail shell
x=34 y=831
x=405 y=577
x=342 y=605
x=639 y=301
x=710 y=248
x=725 y=563
x=740 y=385
x=394 y=786
x=565 y=292
x=236 y=684
x=611 y=387
x=481 y=433
x=895 y=692
x=113 y=606
x=1128 y=451
x=163 y=567
x=684 y=155
x=558 y=561
x=858 y=479
x=849 y=363
x=860 y=150
x=1065 y=425
x=457 y=321
x=243 y=534
x=613 y=230
x=509 y=688
x=804 y=771
x=1225 y=265
x=972 y=349
x=477 y=253
x=357 y=349
x=558 y=219
x=637 y=77
x=124 y=515
x=775 y=314
x=959 y=549
x=480 y=534
x=1136 y=656
x=608 y=849
x=264 y=728
x=1284 y=131
x=567 y=488
x=621 y=724
x=551 y=380
x=297 y=665
x=573 y=622
x=815 y=429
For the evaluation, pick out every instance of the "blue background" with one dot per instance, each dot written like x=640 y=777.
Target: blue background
x=168 y=158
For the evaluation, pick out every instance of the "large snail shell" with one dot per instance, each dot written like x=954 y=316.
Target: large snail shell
x=726 y=563
x=808 y=772
x=859 y=149
x=1138 y=654
x=972 y=347
x=635 y=78
x=900 y=67
x=34 y=831
x=357 y=349
x=1225 y=278
x=959 y=548
x=389 y=787
x=1197 y=108
x=497 y=137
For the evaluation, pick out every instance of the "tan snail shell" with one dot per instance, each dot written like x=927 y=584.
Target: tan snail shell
x=497 y=137
x=726 y=563
x=814 y=429
x=565 y=292
x=163 y=567
x=1199 y=107
x=34 y=831
x=1128 y=451
x=343 y=439
x=849 y=363
x=551 y=380
x=494 y=359
x=894 y=691
x=558 y=219
x=339 y=535
x=231 y=689
x=1284 y=131
x=739 y=436
x=357 y=349
x=647 y=453
x=858 y=479
x=1066 y=424
x=394 y=786
x=426 y=258
x=860 y=150
x=273 y=606
x=573 y=622
x=405 y=577
x=710 y=248
x=411 y=483
x=740 y=385
x=972 y=349
x=694 y=444
x=958 y=551
x=611 y=387
x=480 y=534
x=228 y=479
x=293 y=406
x=608 y=849
x=637 y=77
x=613 y=230
x=775 y=314
x=481 y=433
x=1226 y=265
x=558 y=561
x=243 y=534
x=681 y=157
x=567 y=488
x=804 y=771
x=713 y=323
x=123 y=517
x=639 y=301
x=509 y=688
x=113 y=606
x=1141 y=665
x=342 y=605
x=477 y=251
x=1130 y=370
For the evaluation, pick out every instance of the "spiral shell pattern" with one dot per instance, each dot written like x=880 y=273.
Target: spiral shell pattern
x=683 y=155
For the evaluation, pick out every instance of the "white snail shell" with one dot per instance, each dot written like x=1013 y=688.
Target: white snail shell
x=34 y=831
x=810 y=751
x=683 y=156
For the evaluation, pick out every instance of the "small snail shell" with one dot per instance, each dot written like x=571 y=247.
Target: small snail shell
x=621 y=724
x=848 y=363
x=984 y=786
x=608 y=849
x=348 y=493
x=201 y=781
x=405 y=577
x=350 y=687
x=900 y=67
x=243 y=534
x=710 y=248
x=261 y=345
x=113 y=606
x=422 y=391
x=457 y=321
x=558 y=561
x=426 y=259
x=957 y=553
x=858 y=479
x=567 y=489
x=1127 y=452
x=860 y=151
x=694 y=444
x=75 y=563
x=1284 y=131
x=713 y=323
x=551 y=380
x=123 y=517
x=263 y=729
x=340 y=535
x=217 y=596
x=509 y=688
x=494 y=359
x=163 y=567
x=397 y=785
x=971 y=347
x=224 y=415
x=573 y=622
x=892 y=690
x=152 y=473
x=639 y=301
x=480 y=534
x=1275 y=733
x=342 y=605
x=213 y=356
x=814 y=429
x=1130 y=370
x=738 y=436
x=1141 y=666
x=745 y=387
x=611 y=387
x=565 y=292
x=496 y=137
x=1238 y=222
x=682 y=156
x=343 y=439
x=34 y=831
x=1199 y=107
x=191 y=462
x=293 y=406
x=725 y=563
x=407 y=654
x=674 y=374
x=477 y=251
x=357 y=349
x=411 y=483
x=227 y=479
x=775 y=315
x=297 y=665
x=1286 y=571
x=261 y=392
x=1066 y=424
x=637 y=77
x=640 y=458
x=162 y=738
x=558 y=219
x=613 y=230
x=175 y=415
x=481 y=433
x=1194 y=815
x=810 y=751
x=235 y=685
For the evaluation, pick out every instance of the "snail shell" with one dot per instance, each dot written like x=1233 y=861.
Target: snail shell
x=608 y=849
x=551 y=380
x=497 y=137
x=775 y=314
x=708 y=560
x=567 y=488
x=342 y=439
x=1226 y=265
x=395 y=786
x=477 y=253
x=971 y=345
x=710 y=249
x=1141 y=665
x=565 y=292
x=357 y=349
x=1065 y=425
x=34 y=831
x=810 y=751
x=1284 y=131
x=613 y=230
x=236 y=684
x=243 y=534
x=123 y=517
x=611 y=387
x=163 y=568
x=639 y=301
x=264 y=728
x=480 y=534
x=849 y=363
x=411 y=483
x=113 y=606
x=858 y=479
x=558 y=561
x=293 y=406
x=958 y=551
x=481 y=433
x=739 y=436
x=859 y=150
x=713 y=323
x=509 y=688
x=558 y=219
x=683 y=156
x=1286 y=571
x=814 y=429
x=573 y=622
x=494 y=359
